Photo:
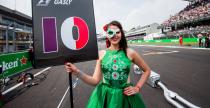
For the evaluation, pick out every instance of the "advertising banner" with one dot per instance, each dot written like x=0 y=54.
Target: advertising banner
x=14 y=63
x=64 y=30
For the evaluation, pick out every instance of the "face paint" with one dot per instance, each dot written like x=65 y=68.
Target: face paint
x=112 y=32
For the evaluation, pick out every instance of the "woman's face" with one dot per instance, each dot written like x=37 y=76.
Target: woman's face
x=115 y=36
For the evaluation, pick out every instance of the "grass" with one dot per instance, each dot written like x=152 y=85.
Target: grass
x=194 y=44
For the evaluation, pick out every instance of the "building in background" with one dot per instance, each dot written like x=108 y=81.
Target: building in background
x=15 y=30
x=140 y=32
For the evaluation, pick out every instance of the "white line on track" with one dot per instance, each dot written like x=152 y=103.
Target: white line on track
x=41 y=71
x=153 y=53
x=19 y=84
x=63 y=98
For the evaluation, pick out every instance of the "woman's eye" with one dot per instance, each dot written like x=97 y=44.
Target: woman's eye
x=110 y=33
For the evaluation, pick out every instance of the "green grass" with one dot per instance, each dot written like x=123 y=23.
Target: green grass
x=194 y=44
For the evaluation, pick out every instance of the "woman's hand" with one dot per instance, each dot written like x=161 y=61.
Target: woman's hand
x=131 y=90
x=71 y=68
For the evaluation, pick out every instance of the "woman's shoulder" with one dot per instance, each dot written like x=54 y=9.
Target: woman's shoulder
x=101 y=54
x=130 y=51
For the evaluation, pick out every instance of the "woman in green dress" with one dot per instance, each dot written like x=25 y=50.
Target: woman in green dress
x=112 y=73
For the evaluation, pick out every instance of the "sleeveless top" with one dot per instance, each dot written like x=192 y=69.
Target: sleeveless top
x=115 y=67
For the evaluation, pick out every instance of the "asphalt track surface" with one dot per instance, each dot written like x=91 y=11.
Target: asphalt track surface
x=184 y=71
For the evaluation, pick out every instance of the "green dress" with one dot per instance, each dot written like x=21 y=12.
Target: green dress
x=109 y=93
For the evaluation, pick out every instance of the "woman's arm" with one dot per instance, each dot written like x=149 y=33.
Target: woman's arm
x=91 y=80
x=138 y=60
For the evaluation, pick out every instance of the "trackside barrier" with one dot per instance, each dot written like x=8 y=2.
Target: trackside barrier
x=171 y=97
x=14 y=63
x=11 y=64
x=19 y=84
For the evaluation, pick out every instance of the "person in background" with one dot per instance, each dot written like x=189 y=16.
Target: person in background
x=203 y=41
x=207 y=41
x=112 y=73
x=199 y=40
x=31 y=55
x=180 y=40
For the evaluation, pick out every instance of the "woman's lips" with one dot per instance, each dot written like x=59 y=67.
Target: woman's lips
x=114 y=38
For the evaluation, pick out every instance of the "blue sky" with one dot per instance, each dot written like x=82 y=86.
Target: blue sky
x=130 y=13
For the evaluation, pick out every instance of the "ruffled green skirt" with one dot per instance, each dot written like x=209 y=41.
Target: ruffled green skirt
x=105 y=96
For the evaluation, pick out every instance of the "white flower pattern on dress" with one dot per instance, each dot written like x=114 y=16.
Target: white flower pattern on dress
x=115 y=75
x=116 y=66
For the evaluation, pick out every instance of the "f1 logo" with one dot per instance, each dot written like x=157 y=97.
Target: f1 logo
x=43 y=2
x=50 y=32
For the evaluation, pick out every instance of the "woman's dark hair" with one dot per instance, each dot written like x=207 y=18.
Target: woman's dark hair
x=123 y=43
